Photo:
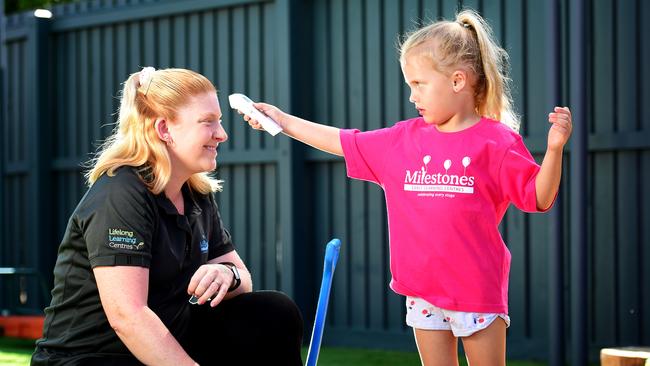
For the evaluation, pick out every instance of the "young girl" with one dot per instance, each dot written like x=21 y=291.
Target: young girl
x=457 y=168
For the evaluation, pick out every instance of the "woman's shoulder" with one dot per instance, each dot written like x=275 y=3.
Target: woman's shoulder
x=120 y=193
x=122 y=177
x=124 y=184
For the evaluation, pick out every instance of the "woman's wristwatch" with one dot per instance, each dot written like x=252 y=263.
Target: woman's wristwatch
x=236 y=277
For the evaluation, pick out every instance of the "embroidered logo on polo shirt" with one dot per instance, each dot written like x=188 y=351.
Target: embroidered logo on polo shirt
x=123 y=239
x=423 y=181
x=204 y=245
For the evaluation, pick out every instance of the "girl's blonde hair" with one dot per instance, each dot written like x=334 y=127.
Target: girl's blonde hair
x=147 y=95
x=468 y=42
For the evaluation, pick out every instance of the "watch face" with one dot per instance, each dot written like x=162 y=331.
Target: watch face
x=235 y=271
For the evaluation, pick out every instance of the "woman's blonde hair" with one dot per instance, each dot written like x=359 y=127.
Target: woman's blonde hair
x=468 y=42
x=147 y=95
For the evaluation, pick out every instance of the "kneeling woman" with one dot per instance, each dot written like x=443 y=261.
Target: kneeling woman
x=147 y=237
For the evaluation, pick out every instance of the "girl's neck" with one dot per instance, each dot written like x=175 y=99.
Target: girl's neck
x=459 y=122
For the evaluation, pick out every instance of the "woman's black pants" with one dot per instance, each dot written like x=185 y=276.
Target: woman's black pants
x=257 y=328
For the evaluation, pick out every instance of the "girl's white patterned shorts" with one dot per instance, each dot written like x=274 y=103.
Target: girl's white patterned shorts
x=422 y=315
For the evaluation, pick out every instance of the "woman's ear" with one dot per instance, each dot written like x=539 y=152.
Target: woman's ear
x=162 y=130
x=459 y=80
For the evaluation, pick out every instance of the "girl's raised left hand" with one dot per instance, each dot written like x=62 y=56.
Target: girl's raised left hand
x=561 y=128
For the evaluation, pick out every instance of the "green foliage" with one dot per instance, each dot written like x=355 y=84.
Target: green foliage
x=16 y=6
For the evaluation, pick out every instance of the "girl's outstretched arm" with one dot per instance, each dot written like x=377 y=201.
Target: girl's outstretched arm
x=322 y=137
x=548 y=178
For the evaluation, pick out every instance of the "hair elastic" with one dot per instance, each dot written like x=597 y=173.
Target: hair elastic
x=145 y=76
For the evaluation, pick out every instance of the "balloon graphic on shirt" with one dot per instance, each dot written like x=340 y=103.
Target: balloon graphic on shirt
x=447 y=165
x=426 y=160
x=466 y=161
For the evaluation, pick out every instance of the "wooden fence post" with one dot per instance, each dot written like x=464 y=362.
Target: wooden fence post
x=38 y=136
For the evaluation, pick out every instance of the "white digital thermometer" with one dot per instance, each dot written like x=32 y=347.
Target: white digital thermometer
x=244 y=104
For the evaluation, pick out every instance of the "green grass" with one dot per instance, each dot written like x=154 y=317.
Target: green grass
x=16 y=352
x=330 y=356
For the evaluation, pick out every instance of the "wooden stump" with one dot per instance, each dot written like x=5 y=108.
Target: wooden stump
x=625 y=356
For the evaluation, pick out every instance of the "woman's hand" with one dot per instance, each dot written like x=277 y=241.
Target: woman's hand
x=560 y=131
x=270 y=110
x=210 y=282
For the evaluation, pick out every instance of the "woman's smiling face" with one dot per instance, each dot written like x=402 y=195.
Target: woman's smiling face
x=196 y=133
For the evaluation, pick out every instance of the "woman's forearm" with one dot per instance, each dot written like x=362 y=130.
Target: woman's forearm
x=145 y=335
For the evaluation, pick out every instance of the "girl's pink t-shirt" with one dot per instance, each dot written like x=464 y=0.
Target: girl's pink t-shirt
x=445 y=195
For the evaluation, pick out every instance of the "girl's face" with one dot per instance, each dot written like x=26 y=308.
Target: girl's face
x=196 y=133
x=431 y=91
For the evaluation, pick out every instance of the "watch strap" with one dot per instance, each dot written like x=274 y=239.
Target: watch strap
x=236 y=277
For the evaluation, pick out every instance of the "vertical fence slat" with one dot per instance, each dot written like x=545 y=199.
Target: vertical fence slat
x=239 y=76
x=4 y=122
x=108 y=82
x=644 y=255
x=209 y=58
x=627 y=238
x=180 y=38
x=358 y=203
x=164 y=40
x=644 y=109
x=270 y=243
x=340 y=304
x=195 y=42
x=95 y=89
x=255 y=256
x=36 y=199
x=376 y=242
x=224 y=75
x=392 y=113
x=254 y=81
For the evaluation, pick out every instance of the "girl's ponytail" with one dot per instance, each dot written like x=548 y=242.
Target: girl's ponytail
x=493 y=97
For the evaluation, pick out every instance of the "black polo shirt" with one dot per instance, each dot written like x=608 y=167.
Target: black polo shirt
x=119 y=222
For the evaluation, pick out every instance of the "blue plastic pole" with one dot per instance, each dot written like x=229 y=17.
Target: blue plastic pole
x=331 y=257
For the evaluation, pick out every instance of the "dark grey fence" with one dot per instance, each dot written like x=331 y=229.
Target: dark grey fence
x=336 y=62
